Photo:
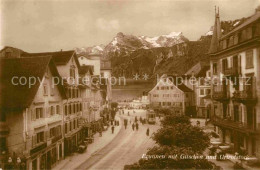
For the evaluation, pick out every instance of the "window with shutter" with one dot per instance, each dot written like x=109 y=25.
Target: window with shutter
x=48 y=111
x=33 y=114
x=57 y=109
x=34 y=140
x=249 y=59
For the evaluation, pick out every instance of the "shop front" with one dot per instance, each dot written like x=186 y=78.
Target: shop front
x=43 y=157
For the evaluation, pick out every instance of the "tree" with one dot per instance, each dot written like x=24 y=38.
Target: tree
x=183 y=135
x=170 y=157
x=172 y=120
x=114 y=104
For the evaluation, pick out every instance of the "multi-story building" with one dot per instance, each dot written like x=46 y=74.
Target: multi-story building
x=31 y=113
x=101 y=83
x=235 y=68
x=168 y=93
x=198 y=79
x=68 y=67
x=85 y=73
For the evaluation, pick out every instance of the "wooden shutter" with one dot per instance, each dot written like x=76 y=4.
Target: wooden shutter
x=44 y=112
x=33 y=114
x=34 y=140
x=240 y=114
x=46 y=136
x=48 y=111
x=245 y=114
x=253 y=86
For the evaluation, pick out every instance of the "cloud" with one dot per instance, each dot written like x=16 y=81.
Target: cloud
x=107 y=25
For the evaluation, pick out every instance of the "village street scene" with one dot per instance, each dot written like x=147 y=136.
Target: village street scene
x=129 y=85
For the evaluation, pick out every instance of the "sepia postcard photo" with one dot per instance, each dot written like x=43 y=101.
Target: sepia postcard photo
x=129 y=84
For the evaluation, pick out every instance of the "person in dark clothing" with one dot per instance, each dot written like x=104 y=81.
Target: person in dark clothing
x=136 y=125
x=125 y=123
x=147 y=132
x=133 y=126
x=136 y=119
x=112 y=128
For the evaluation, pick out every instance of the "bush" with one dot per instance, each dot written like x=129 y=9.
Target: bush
x=182 y=135
x=172 y=120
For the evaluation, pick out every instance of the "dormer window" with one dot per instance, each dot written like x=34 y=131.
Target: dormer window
x=249 y=33
x=231 y=41
x=224 y=44
x=236 y=39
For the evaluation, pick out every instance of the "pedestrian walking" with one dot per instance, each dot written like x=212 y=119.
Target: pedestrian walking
x=136 y=119
x=112 y=128
x=147 y=132
x=111 y=122
x=125 y=123
x=136 y=125
x=133 y=126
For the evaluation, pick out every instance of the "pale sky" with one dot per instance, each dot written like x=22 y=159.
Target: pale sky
x=44 y=25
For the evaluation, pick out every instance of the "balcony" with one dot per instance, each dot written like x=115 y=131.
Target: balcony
x=56 y=138
x=220 y=96
x=38 y=148
x=233 y=71
x=245 y=97
x=231 y=124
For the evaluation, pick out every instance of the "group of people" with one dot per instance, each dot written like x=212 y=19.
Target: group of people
x=135 y=125
x=113 y=124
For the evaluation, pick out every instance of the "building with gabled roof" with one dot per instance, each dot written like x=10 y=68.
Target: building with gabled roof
x=235 y=65
x=31 y=111
x=169 y=93
x=201 y=87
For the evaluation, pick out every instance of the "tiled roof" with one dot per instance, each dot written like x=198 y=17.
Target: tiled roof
x=199 y=69
x=179 y=85
x=250 y=20
x=184 y=88
x=20 y=96
x=60 y=57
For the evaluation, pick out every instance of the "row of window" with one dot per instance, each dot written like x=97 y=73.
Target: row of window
x=174 y=104
x=38 y=112
x=71 y=125
x=235 y=62
x=169 y=95
x=246 y=34
x=44 y=135
x=205 y=91
x=165 y=88
x=72 y=108
x=73 y=92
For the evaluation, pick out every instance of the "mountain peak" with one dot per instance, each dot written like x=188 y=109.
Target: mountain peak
x=120 y=34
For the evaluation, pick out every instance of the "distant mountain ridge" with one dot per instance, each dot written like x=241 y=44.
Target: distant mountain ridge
x=172 y=53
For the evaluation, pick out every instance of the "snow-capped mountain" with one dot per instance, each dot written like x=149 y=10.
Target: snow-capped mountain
x=124 y=44
x=98 y=49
